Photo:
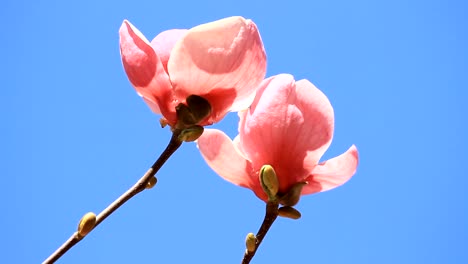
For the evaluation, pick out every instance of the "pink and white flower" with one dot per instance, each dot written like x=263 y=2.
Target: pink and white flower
x=288 y=126
x=222 y=61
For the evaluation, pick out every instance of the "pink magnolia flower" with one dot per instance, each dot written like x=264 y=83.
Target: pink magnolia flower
x=288 y=126
x=222 y=61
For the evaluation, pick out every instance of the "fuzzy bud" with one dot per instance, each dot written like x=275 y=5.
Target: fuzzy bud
x=289 y=212
x=191 y=134
x=292 y=197
x=87 y=223
x=269 y=181
x=250 y=242
x=151 y=182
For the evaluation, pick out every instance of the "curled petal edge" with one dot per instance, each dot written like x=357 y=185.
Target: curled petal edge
x=221 y=155
x=333 y=172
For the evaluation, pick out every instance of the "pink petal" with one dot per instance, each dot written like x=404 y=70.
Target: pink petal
x=222 y=61
x=138 y=58
x=319 y=113
x=332 y=173
x=238 y=147
x=145 y=71
x=219 y=152
x=165 y=41
x=288 y=126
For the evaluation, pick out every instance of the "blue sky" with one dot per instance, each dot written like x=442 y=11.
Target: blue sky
x=75 y=135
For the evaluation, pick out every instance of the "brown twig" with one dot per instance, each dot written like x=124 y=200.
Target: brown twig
x=270 y=216
x=139 y=186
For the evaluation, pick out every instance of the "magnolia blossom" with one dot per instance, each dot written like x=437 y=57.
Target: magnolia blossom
x=211 y=60
x=288 y=126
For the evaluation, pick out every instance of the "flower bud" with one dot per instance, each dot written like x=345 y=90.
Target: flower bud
x=269 y=181
x=87 y=223
x=289 y=212
x=250 y=242
x=292 y=197
x=151 y=182
x=191 y=134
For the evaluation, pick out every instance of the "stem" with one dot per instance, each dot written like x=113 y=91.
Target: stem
x=270 y=216
x=139 y=186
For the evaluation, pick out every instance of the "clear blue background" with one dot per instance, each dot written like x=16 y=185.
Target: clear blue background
x=74 y=135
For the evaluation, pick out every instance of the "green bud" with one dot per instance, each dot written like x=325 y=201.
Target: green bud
x=289 y=212
x=250 y=242
x=292 y=197
x=87 y=223
x=191 y=134
x=269 y=181
x=151 y=182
